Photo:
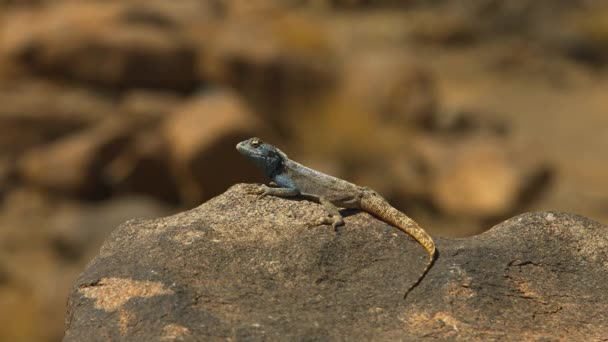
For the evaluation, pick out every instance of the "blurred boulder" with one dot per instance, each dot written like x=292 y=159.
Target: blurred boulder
x=450 y=28
x=391 y=87
x=149 y=107
x=469 y=122
x=516 y=16
x=202 y=134
x=76 y=231
x=100 y=43
x=7 y=171
x=44 y=243
x=144 y=167
x=280 y=62
x=478 y=177
x=74 y=165
x=586 y=38
x=33 y=280
x=35 y=112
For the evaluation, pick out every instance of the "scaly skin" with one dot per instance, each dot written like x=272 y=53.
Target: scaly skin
x=377 y=206
x=293 y=179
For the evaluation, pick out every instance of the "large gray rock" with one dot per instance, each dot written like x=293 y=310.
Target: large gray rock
x=242 y=268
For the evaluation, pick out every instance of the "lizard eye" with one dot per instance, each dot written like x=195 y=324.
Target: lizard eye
x=271 y=154
x=255 y=142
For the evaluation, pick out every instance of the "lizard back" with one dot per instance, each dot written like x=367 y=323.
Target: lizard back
x=313 y=182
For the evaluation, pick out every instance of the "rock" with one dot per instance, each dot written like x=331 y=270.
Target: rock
x=111 y=45
x=44 y=244
x=453 y=28
x=584 y=40
x=238 y=267
x=478 y=177
x=361 y=4
x=144 y=167
x=280 y=62
x=34 y=112
x=148 y=106
x=202 y=134
x=74 y=165
x=7 y=175
x=469 y=122
x=76 y=231
x=387 y=85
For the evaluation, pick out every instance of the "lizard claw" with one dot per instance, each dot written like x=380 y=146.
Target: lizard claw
x=333 y=221
x=324 y=220
x=263 y=191
x=337 y=222
x=260 y=190
x=263 y=194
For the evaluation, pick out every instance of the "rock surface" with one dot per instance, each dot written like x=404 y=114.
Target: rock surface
x=245 y=269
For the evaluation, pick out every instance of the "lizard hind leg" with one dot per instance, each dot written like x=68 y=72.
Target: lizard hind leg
x=334 y=217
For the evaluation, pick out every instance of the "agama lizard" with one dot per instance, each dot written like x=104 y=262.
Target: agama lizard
x=294 y=179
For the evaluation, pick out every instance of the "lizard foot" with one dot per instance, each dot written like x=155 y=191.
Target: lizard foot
x=334 y=221
x=256 y=189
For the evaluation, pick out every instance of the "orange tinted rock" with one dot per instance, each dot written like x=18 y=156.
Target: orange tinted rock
x=144 y=167
x=100 y=43
x=480 y=178
x=73 y=165
x=279 y=62
x=37 y=112
x=392 y=88
x=202 y=135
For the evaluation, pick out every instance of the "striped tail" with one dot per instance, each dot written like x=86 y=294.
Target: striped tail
x=374 y=204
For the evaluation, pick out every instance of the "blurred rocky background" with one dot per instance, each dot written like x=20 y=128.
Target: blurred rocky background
x=461 y=113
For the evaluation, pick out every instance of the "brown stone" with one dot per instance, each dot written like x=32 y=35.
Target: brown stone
x=279 y=61
x=7 y=173
x=390 y=87
x=202 y=134
x=476 y=179
x=148 y=106
x=44 y=244
x=144 y=167
x=108 y=44
x=243 y=268
x=34 y=112
x=478 y=176
x=77 y=230
x=74 y=165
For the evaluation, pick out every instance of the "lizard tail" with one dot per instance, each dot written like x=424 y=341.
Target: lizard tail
x=379 y=207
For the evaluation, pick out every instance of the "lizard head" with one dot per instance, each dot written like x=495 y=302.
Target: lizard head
x=263 y=155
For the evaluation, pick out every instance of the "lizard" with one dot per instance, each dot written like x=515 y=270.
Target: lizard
x=293 y=179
